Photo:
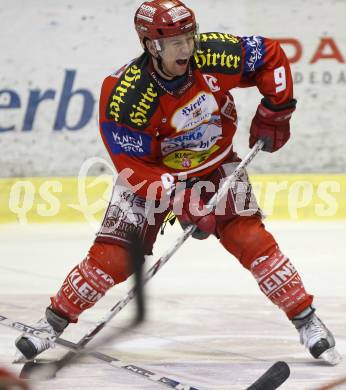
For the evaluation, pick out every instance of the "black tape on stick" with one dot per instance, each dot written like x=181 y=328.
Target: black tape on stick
x=273 y=378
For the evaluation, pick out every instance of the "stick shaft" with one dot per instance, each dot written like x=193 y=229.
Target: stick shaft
x=74 y=348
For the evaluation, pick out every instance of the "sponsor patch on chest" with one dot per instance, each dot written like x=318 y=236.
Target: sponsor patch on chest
x=201 y=138
x=195 y=112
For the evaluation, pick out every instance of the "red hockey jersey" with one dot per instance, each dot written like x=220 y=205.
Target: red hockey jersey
x=187 y=132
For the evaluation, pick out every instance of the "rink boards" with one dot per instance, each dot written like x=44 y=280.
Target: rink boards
x=84 y=198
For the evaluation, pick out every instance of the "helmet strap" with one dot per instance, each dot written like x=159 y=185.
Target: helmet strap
x=160 y=66
x=158 y=58
x=157 y=45
x=196 y=39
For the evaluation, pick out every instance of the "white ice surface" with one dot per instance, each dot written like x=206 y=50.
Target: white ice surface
x=207 y=323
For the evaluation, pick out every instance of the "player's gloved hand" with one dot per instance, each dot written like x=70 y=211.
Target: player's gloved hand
x=192 y=211
x=272 y=125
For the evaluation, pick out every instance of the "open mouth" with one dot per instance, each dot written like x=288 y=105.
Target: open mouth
x=182 y=62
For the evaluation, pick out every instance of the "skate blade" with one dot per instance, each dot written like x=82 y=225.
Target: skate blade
x=331 y=356
x=19 y=359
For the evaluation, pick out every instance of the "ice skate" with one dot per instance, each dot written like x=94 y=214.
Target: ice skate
x=29 y=346
x=318 y=339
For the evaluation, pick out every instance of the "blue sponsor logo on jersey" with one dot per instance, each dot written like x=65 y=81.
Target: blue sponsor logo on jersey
x=123 y=140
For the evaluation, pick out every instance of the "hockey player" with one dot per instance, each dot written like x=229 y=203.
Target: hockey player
x=167 y=120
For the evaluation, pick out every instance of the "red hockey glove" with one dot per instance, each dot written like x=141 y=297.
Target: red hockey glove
x=272 y=125
x=189 y=208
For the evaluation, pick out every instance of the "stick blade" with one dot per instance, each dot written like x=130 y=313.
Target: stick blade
x=273 y=378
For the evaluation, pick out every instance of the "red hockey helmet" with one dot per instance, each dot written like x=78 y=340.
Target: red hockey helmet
x=163 y=18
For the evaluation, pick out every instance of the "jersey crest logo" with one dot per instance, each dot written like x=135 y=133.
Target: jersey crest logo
x=212 y=82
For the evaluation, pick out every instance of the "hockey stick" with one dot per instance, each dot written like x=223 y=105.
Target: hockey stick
x=163 y=260
x=46 y=370
x=43 y=371
x=154 y=269
x=169 y=253
x=273 y=378
x=270 y=380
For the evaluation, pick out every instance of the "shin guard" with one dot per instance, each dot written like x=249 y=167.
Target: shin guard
x=105 y=266
x=281 y=283
x=256 y=249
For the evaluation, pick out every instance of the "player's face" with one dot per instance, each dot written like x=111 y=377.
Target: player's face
x=176 y=53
